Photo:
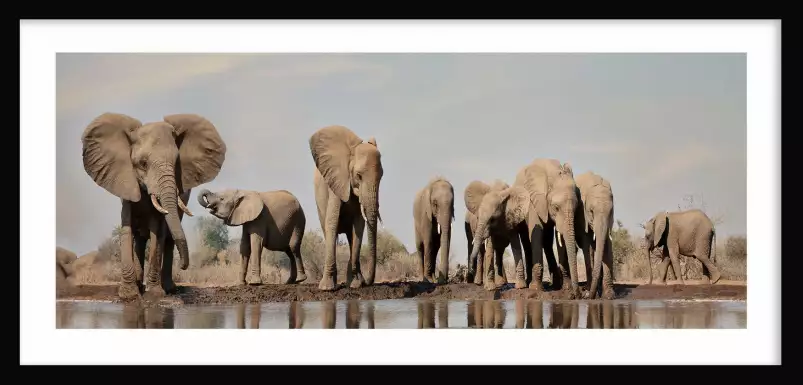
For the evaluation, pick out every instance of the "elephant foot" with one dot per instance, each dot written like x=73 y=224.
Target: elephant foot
x=608 y=294
x=301 y=278
x=327 y=284
x=155 y=292
x=169 y=286
x=537 y=286
x=500 y=281
x=240 y=283
x=715 y=276
x=490 y=285
x=128 y=291
x=255 y=281
x=442 y=280
x=428 y=279
x=521 y=283
x=469 y=277
x=290 y=280
x=357 y=281
x=573 y=292
x=588 y=294
x=478 y=279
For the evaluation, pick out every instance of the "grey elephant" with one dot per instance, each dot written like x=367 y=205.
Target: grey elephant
x=65 y=267
x=499 y=209
x=594 y=223
x=273 y=220
x=433 y=214
x=348 y=172
x=551 y=210
x=160 y=162
x=689 y=233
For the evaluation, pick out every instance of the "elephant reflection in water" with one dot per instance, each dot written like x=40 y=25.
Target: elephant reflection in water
x=671 y=316
x=255 y=315
x=295 y=315
x=426 y=315
x=529 y=314
x=609 y=315
x=135 y=317
x=564 y=315
x=353 y=315
x=485 y=314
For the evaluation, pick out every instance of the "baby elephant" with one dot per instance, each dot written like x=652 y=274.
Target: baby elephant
x=273 y=220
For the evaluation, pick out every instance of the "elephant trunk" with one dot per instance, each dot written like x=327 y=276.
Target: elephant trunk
x=601 y=234
x=203 y=198
x=369 y=204
x=168 y=195
x=479 y=238
x=445 y=223
x=569 y=241
x=649 y=265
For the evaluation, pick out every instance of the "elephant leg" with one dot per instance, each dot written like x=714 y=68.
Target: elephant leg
x=434 y=248
x=168 y=284
x=524 y=238
x=329 y=276
x=607 y=272
x=293 y=268
x=128 y=288
x=256 y=259
x=354 y=276
x=472 y=265
x=557 y=272
x=515 y=246
x=419 y=247
x=588 y=258
x=663 y=268
x=245 y=254
x=499 y=268
x=710 y=269
x=536 y=267
x=140 y=243
x=674 y=256
x=301 y=274
x=157 y=237
x=479 y=274
x=489 y=266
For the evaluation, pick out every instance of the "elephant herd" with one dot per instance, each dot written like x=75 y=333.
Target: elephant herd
x=153 y=167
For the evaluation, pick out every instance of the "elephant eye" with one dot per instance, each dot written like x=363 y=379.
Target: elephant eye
x=143 y=163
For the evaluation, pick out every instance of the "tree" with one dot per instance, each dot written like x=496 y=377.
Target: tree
x=214 y=233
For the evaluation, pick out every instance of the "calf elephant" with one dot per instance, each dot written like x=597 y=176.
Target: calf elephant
x=162 y=161
x=272 y=220
x=433 y=214
x=552 y=206
x=499 y=210
x=689 y=233
x=594 y=223
x=348 y=172
x=65 y=267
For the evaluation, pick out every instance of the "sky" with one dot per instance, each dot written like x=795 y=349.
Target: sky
x=658 y=126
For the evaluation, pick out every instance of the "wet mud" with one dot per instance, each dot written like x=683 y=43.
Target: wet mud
x=191 y=295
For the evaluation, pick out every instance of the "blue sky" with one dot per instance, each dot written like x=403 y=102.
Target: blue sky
x=658 y=126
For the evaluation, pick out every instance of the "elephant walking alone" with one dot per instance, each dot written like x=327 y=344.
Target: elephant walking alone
x=433 y=214
x=552 y=205
x=272 y=220
x=162 y=161
x=689 y=233
x=348 y=172
x=594 y=223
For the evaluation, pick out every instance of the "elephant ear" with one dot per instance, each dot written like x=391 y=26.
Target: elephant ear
x=426 y=201
x=247 y=208
x=536 y=184
x=517 y=206
x=473 y=195
x=332 y=149
x=586 y=207
x=201 y=150
x=661 y=223
x=107 y=154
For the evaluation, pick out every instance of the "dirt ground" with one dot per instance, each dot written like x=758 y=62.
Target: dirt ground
x=458 y=291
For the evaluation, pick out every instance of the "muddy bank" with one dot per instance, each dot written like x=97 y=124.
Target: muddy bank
x=459 y=291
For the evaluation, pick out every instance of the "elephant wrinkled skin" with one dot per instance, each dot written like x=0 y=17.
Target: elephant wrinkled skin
x=273 y=220
x=553 y=204
x=498 y=209
x=689 y=233
x=65 y=267
x=433 y=214
x=348 y=172
x=152 y=169
x=594 y=223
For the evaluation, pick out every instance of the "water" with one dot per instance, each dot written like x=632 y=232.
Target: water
x=412 y=313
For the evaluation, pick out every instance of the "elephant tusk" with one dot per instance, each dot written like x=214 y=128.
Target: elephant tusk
x=610 y=237
x=183 y=207
x=594 y=237
x=557 y=235
x=362 y=211
x=439 y=228
x=156 y=204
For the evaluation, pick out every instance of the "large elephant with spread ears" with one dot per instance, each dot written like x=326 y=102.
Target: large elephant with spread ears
x=433 y=214
x=594 y=224
x=499 y=209
x=348 y=172
x=152 y=168
x=553 y=204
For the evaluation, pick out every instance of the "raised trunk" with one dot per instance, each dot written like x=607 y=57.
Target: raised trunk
x=168 y=195
x=601 y=234
x=444 y=220
x=370 y=206
x=203 y=197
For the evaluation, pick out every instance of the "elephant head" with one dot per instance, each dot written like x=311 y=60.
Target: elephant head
x=496 y=207
x=351 y=167
x=234 y=207
x=655 y=230
x=160 y=159
x=65 y=263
